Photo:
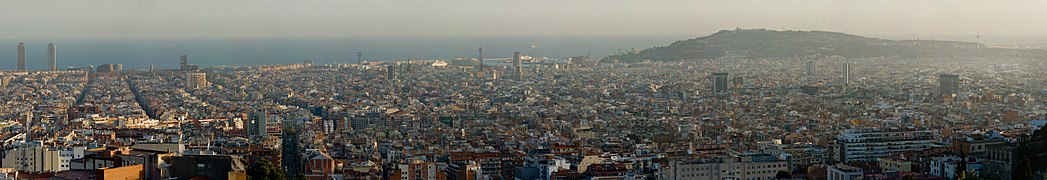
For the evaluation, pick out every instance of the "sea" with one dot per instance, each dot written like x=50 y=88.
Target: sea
x=164 y=52
x=141 y=53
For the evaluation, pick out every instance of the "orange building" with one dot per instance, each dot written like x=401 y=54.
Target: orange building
x=126 y=173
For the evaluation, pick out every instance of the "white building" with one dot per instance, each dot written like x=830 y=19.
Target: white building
x=548 y=165
x=196 y=80
x=944 y=166
x=439 y=64
x=746 y=166
x=41 y=159
x=947 y=166
x=869 y=144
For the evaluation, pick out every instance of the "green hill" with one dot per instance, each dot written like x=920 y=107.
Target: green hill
x=760 y=43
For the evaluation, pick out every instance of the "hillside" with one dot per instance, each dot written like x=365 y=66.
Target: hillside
x=760 y=43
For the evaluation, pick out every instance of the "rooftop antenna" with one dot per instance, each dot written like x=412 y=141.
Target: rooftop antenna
x=587 y=54
x=978 y=38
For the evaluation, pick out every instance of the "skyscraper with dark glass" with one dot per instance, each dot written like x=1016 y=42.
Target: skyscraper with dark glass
x=949 y=84
x=811 y=69
x=719 y=82
x=184 y=62
x=518 y=61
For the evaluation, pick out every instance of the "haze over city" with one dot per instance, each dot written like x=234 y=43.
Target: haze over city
x=523 y=90
x=471 y=18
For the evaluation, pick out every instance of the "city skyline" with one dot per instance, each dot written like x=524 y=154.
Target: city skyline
x=524 y=90
x=24 y=62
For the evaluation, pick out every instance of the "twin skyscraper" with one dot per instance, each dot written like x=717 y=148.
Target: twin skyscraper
x=52 y=56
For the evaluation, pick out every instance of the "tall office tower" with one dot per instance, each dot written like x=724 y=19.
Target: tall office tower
x=184 y=62
x=21 y=56
x=949 y=84
x=52 y=56
x=719 y=82
x=359 y=58
x=257 y=124
x=519 y=65
x=195 y=80
x=810 y=68
x=390 y=72
x=869 y=144
x=481 y=60
x=846 y=74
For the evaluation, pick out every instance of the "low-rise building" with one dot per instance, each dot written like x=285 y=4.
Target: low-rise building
x=869 y=144
x=844 y=172
x=745 y=166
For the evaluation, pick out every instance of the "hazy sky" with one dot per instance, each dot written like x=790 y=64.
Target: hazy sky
x=385 y=18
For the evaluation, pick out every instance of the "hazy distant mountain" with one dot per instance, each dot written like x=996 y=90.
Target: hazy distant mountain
x=761 y=43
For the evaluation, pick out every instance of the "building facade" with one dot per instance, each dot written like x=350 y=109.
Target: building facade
x=196 y=80
x=183 y=62
x=41 y=159
x=1001 y=162
x=843 y=172
x=811 y=69
x=869 y=144
x=518 y=62
x=749 y=166
x=52 y=57
x=846 y=74
x=949 y=84
x=719 y=83
x=21 y=56
x=257 y=124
